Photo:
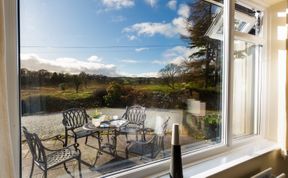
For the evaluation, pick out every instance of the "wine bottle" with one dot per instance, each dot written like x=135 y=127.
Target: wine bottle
x=176 y=160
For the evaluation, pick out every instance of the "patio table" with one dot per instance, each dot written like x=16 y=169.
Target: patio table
x=111 y=127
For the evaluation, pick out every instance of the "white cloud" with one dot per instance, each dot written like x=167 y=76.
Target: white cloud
x=172 y=4
x=184 y=10
x=149 y=74
x=160 y=62
x=152 y=3
x=131 y=61
x=180 y=24
x=178 y=60
x=176 y=51
x=65 y=60
x=131 y=37
x=175 y=55
x=178 y=54
x=67 y=65
x=145 y=74
x=141 y=49
x=118 y=4
x=150 y=29
x=118 y=18
x=94 y=59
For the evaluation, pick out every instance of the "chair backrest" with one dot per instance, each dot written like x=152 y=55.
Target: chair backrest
x=74 y=118
x=157 y=145
x=158 y=139
x=164 y=126
x=35 y=146
x=135 y=114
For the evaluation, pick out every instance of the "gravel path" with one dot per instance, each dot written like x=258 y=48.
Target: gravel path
x=47 y=125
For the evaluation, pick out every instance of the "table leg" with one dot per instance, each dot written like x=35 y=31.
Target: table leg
x=99 y=151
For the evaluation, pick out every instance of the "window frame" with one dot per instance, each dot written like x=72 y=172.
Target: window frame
x=259 y=41
x=189 y=158
x=13 y=68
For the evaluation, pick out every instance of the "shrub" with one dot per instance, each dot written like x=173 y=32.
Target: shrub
x=113 y=97
x=62 y=86
x=212 y=119
x=43 y=103
x=212 y=126
x=98 y=95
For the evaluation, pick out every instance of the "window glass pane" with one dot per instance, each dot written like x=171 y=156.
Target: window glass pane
x=245 y=57
x=107 y=56
x=248 y=20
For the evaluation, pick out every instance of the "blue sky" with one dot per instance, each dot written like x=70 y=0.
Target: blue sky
x=109 y=37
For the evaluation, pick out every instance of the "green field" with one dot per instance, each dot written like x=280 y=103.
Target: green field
x=70 y=93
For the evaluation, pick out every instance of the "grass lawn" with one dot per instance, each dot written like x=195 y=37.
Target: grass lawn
x=161 y=88
x=70 y=93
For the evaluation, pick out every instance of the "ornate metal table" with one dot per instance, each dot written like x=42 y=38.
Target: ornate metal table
x=110 y=128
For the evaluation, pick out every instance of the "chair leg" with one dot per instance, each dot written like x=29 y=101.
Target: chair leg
x=45 y=174
x=32 y=168
x=66 y=169
x=163 y=149
x=144 y=136
x=79 y=167
x=66 y=138
x=108 y=138
x=75 y=139
x=127 y=153
x=86 y=140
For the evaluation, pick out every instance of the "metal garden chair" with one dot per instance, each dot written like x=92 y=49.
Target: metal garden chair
x=150 y=148
x=73 y=121
x=135 y=115
x=46 y=158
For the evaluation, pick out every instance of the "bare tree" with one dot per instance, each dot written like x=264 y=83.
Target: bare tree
x=77 y=82
x=170 y=73
x=84 y=77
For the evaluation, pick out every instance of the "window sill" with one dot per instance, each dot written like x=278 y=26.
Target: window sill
x=241 y=151
x=238 y=154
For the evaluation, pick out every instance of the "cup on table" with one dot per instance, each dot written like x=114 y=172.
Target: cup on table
x=96 y=122
x=115 y=117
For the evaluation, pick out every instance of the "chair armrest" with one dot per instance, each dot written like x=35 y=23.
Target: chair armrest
x=88 y=117
x=75 y=145
x=124 y=125
x=141 y=142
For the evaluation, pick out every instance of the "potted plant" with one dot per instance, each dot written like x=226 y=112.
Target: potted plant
x=96 y=116
x=212 y=126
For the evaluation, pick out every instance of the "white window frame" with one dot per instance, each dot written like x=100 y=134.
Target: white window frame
x=257 y=40
x=12 y=34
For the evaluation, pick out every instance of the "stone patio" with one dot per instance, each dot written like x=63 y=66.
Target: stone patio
x=106 y=163
x=50 y=124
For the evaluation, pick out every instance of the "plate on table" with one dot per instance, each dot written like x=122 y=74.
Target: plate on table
x=105 y=124
x=118 y=123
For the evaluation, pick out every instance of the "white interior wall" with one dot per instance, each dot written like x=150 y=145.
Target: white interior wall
x=270 y=75
x=11 y=28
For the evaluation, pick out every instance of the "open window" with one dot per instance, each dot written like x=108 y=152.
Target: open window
x=247 y=20
x=166 y=58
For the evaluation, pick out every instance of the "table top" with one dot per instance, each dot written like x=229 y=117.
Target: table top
x=111 y=124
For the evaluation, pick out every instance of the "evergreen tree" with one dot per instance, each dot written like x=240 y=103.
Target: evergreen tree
x=207 y=59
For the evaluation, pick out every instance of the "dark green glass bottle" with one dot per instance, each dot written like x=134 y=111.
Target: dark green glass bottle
x=176 y=159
